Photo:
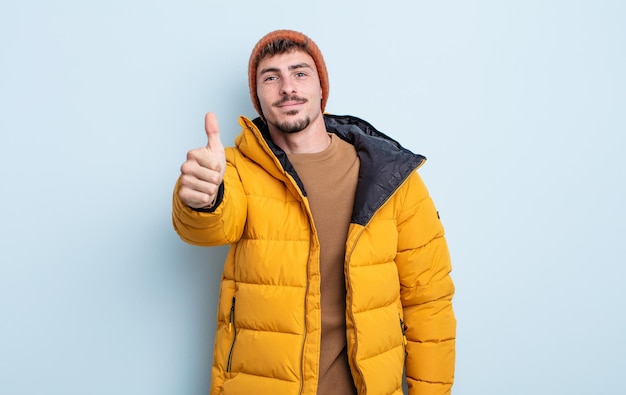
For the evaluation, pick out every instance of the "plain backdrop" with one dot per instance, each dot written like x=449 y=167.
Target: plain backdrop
x=518 y=105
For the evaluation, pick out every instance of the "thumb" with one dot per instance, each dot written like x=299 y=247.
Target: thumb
x=212 y=129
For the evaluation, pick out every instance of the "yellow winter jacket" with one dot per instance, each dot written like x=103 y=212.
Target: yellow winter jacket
x=397 y=266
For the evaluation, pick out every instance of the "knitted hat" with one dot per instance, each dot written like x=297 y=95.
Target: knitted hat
x=299 y=38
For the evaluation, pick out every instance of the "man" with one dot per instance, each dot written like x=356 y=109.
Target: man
x=338 y=270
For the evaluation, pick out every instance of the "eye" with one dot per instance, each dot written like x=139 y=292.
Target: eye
x=270 y=78
x=300 y=74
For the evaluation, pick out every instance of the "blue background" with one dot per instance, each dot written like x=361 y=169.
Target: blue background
x=519 y=106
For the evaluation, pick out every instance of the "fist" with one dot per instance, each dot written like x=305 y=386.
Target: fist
x=203 y=171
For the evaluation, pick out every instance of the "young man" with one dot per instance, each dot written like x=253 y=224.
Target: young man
x=338 y=273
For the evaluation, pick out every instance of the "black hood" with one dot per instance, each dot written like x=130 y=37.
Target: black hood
x=384 y=163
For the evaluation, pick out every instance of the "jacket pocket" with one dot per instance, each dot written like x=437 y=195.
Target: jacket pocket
x=231 y=328
x=403 y=331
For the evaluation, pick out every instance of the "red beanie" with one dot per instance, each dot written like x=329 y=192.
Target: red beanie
x=309 y=46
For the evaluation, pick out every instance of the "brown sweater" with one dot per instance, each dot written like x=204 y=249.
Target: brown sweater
x=330 y=179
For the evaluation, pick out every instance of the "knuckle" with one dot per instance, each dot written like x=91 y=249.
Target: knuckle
x=184 y=181
x=211 y=189
x=195 y=154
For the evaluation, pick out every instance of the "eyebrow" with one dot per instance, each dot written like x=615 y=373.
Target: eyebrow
x=292 y=67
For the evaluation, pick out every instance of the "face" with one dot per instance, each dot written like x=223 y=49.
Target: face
x=289 y=91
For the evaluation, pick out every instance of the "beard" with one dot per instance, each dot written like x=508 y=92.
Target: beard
x=295 y=126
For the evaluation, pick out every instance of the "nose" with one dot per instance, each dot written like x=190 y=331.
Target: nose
x=287 y=87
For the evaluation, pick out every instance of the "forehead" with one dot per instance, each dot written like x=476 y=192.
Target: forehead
x=284 y=61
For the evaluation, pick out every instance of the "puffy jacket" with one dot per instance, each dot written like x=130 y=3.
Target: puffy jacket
x=399 y=291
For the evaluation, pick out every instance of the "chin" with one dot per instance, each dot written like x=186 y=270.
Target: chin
x=292 y=125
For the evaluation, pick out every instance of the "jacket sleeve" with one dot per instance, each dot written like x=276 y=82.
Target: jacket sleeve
x=222 y=226
x=426 y=288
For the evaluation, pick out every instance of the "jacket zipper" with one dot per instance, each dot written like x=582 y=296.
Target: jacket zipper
x=306 y=293
x=233 y=328
x=349 y=295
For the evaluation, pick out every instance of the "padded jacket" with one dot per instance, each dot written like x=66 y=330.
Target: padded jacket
x=397 y=268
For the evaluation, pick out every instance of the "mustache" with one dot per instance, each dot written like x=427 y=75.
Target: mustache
x=290 y=98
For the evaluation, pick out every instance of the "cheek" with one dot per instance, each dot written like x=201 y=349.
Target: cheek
x=265 y=100
x=262 y=95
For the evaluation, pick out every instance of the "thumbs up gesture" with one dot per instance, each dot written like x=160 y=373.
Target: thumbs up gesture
x=203 y=171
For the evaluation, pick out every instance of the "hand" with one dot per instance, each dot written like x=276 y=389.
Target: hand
x=203 y=171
